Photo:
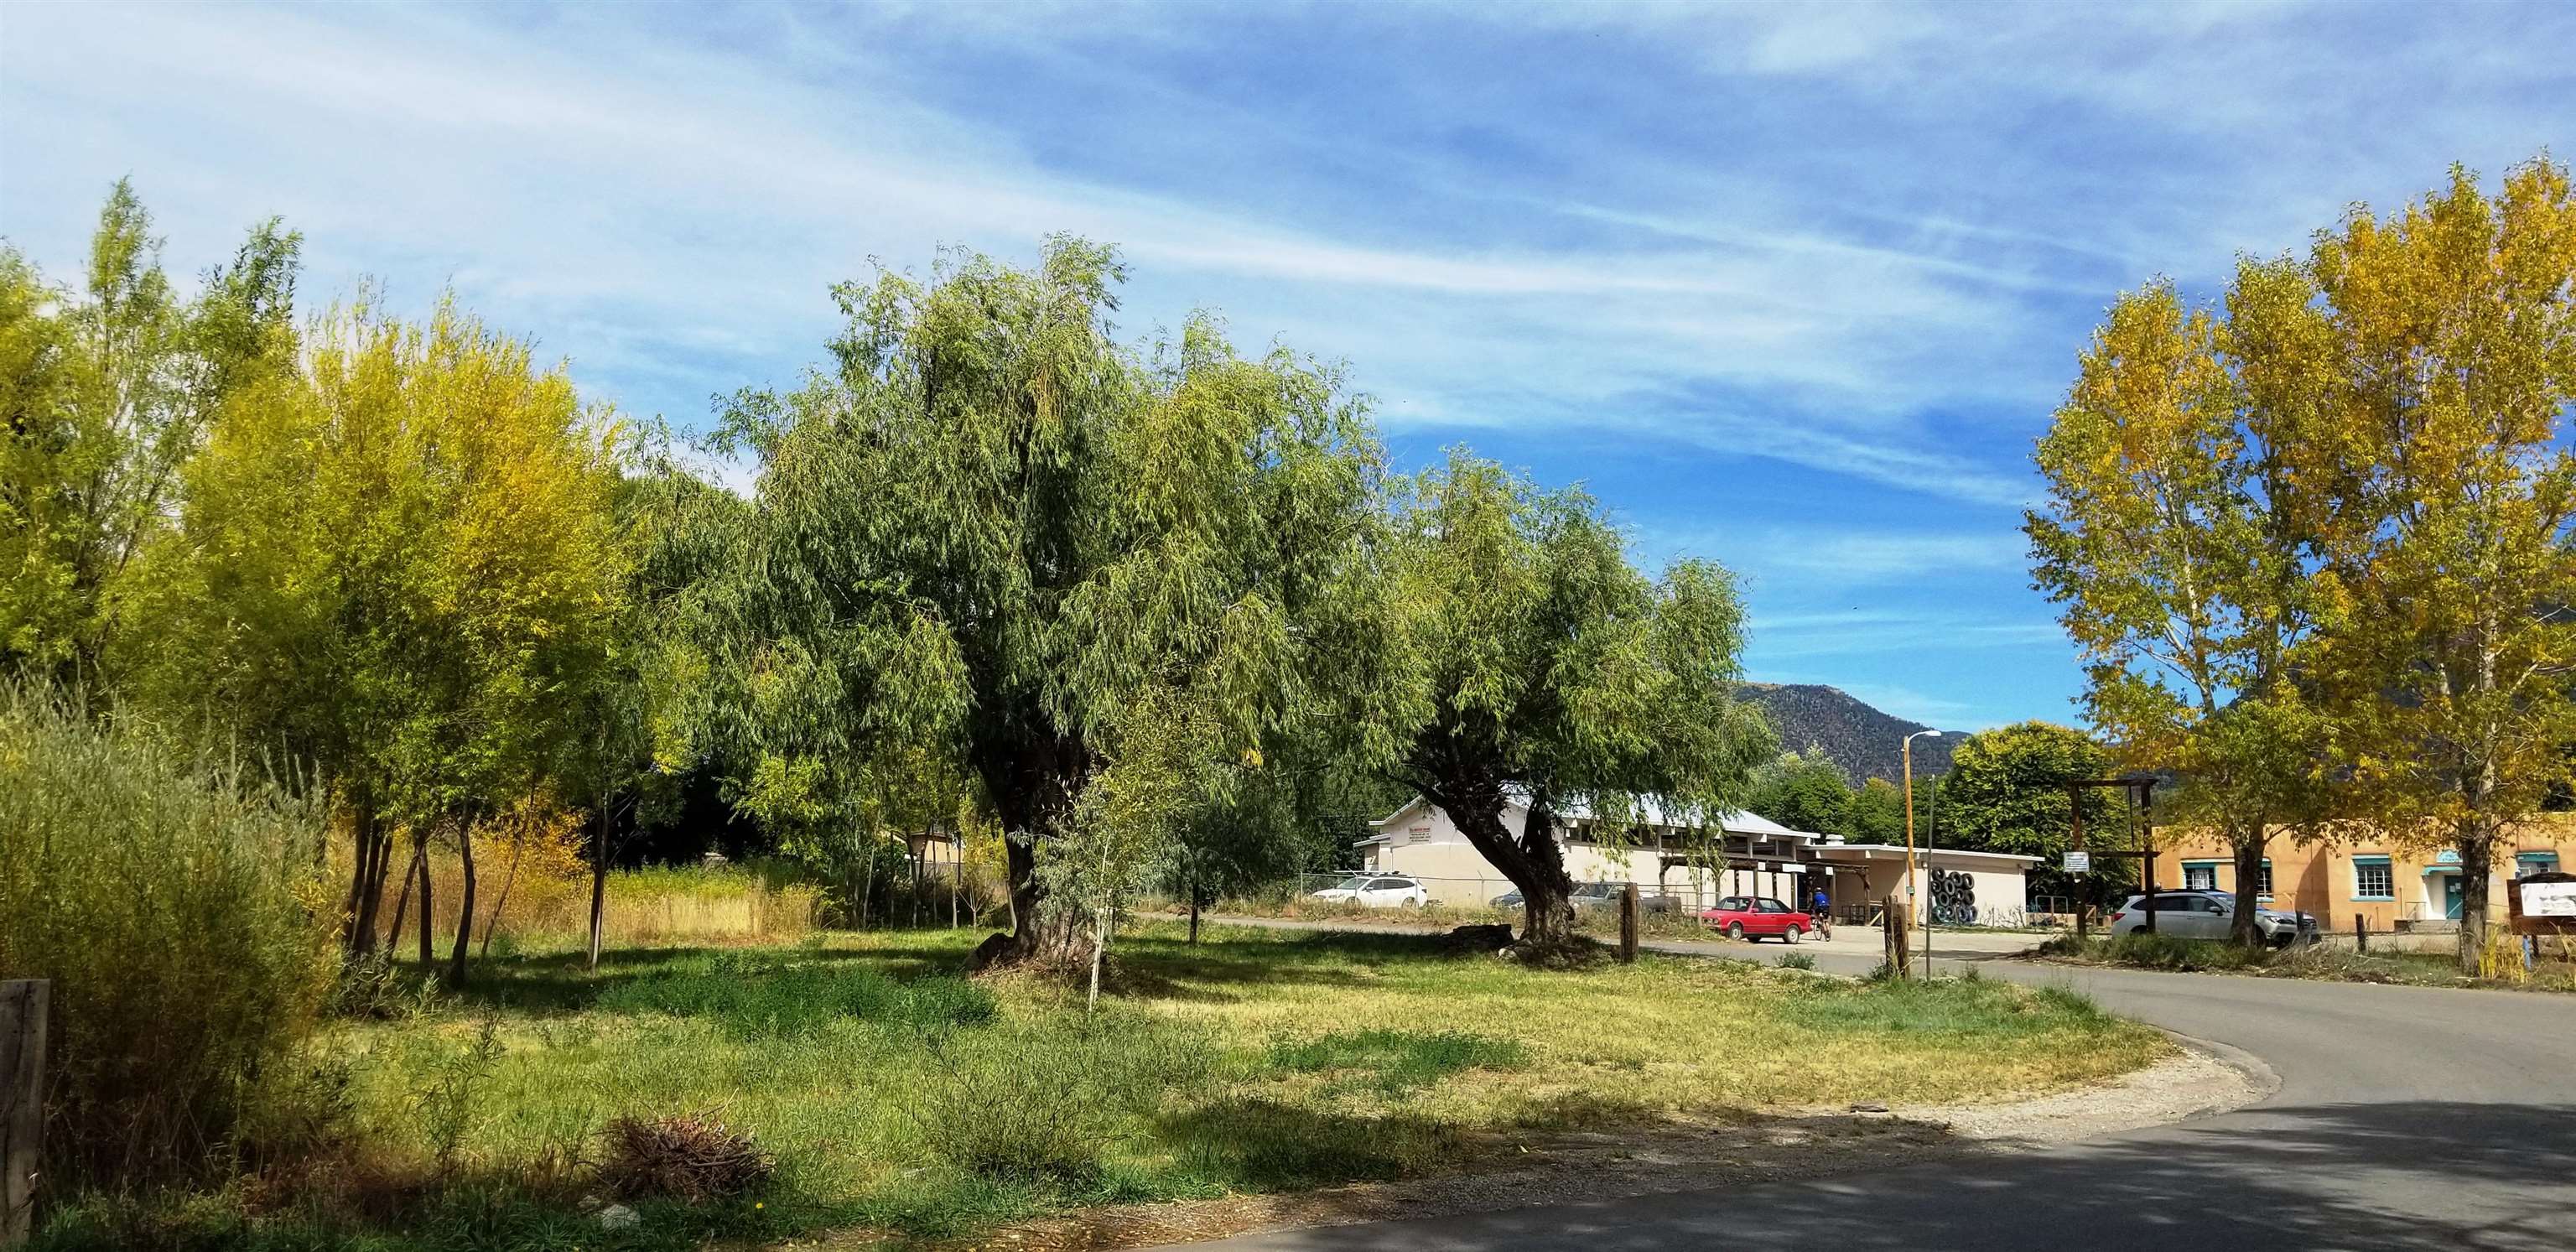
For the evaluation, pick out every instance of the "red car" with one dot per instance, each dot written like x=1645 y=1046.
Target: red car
x=1757 y=917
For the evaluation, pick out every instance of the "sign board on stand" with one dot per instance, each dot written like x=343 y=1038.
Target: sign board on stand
x=2079 y=862
x=2542 y=904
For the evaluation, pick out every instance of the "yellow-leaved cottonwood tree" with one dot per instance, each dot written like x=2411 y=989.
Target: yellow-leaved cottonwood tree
x=2445 y=508
x=396 y=561
x=2316 y=551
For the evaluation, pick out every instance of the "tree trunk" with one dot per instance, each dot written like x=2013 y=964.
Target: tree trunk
x=493 y=922
x=367 y=878
x=1099 y=948
x=2477 y=863
x=402 y=903
x=1534 y=862
x=867 y=879
x=420 y=857
x=599 y=883
x=2248 y=930
x=465 y=909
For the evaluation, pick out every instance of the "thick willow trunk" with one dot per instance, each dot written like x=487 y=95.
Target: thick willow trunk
x=1533 y=861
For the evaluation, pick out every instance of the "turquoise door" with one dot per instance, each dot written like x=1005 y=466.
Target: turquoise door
x=2451 y=896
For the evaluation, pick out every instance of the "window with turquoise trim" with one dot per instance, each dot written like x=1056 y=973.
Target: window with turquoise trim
x=2373 y=879
x=2200 y=875
x=2263 y=884
x=2529 y=863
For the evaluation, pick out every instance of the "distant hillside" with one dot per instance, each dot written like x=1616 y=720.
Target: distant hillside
x=1858 y=737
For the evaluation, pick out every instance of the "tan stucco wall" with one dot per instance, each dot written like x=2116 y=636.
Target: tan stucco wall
x=2320 y=878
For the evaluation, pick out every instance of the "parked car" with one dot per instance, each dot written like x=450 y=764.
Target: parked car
x=1508 y=900
x=1374 y=891
x=1605 y=895
x=2210 y=915
x=1757 y=917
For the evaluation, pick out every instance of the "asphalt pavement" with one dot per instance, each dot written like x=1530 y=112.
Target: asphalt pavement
x=2407 y=1118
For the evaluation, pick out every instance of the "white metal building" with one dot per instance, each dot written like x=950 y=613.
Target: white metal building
x=1760 y=857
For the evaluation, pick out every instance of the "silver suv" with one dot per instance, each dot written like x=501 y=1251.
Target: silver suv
x=2210 y=915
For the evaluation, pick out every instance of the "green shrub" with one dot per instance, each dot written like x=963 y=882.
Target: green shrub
x=1043 y=1102
x=175 y=904
x=1801 y=960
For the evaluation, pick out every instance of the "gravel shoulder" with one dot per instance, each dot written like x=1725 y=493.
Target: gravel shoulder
x=2200 y=1078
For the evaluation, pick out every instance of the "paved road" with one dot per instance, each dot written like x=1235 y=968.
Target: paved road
x=2408 y=1118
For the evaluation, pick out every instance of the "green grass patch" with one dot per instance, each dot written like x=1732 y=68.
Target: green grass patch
x=758 y=995
x=1398 y=1061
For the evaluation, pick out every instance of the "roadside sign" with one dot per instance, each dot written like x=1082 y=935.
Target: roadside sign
x=2543 y=904
x=2079 y=862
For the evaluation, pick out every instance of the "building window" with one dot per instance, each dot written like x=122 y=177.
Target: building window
x=2200 y=875
x=2263 y=884
x=2373 y=879
x=2529 y=863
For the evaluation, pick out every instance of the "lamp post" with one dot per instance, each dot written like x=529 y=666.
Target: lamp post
x=1905 y=749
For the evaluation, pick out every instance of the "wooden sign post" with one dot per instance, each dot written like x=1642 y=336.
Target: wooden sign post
x=1628 y=924
x=23 y=1004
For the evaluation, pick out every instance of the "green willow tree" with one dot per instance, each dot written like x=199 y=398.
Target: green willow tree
x=2446 y=511
x=992 y=533
x=1804 y=791
x=1519 y=657
x=2174 y=539
x=397 y=563
x=107 y=393
x=2005 y=792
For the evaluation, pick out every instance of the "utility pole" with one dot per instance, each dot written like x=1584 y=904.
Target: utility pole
x=1905 y=749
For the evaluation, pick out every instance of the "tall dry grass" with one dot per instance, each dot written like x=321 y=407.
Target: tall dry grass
x=177 y=906
x=644 y=906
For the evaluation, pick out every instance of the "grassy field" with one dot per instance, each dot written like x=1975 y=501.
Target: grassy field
x=2555 y=971
x=898 y=1096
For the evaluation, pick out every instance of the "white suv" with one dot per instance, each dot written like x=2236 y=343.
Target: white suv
x=1374 y=891
x=2209 y=915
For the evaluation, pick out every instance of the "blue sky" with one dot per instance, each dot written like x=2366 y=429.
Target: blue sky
x=1793 y=288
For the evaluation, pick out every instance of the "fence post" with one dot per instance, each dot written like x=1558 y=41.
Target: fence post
x=23 y=1005
x=1899 y=957
x=2360 y=932
x=1628 y=923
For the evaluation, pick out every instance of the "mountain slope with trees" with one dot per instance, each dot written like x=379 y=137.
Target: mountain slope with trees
x=1858 y=738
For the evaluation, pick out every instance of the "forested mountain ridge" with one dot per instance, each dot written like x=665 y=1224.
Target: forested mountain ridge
x=1854 y=735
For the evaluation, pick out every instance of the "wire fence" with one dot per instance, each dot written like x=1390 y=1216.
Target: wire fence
x=1399 y=890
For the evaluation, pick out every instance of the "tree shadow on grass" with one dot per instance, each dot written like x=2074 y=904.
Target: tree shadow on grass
x=1256 y=1144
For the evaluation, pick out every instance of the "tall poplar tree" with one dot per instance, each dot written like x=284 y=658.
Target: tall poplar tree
x=2172 y=536
x=2446 y=515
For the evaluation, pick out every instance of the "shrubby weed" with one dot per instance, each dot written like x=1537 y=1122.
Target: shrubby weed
x=172 y=901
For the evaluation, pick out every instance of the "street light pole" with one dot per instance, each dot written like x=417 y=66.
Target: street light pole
x=1905 y=749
